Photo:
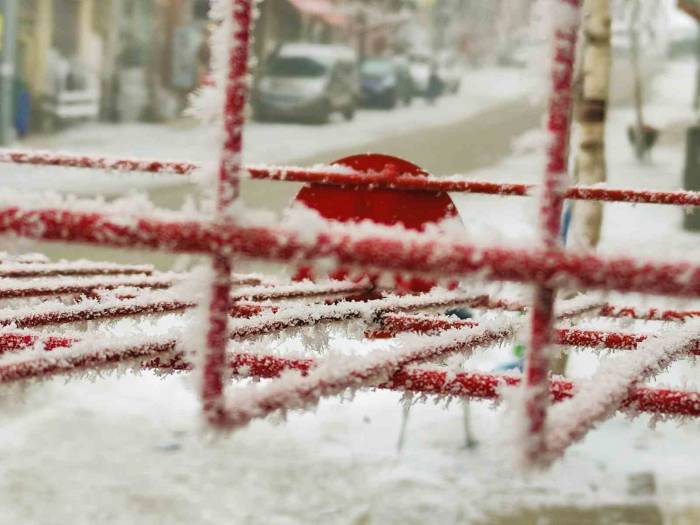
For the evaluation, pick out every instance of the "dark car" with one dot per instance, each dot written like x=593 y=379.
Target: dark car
x=385 y=82
x=308 y=82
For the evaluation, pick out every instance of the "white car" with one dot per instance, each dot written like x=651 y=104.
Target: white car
x=450 y=73
x=308 y=82
x=420 y=77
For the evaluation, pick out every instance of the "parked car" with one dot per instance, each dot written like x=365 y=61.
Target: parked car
x=420 y=76
x=403 y=71
x=450 y=73
x=436 y=87
x=308 y=82
x=385 y=82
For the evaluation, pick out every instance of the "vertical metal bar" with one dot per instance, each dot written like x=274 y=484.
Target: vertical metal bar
x=8 y=47
x=214 y=369
x=551 y=203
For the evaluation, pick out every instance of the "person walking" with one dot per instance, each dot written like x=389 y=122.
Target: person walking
x=435 y=85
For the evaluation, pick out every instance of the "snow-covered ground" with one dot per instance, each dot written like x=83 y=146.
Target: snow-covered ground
x=132 y=450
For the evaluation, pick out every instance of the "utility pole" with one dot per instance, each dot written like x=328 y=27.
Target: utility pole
x=8 y=39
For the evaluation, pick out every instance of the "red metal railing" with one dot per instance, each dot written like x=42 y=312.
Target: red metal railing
x=80 y=269
x=407 y=251
x=344 y=177
x=430 y=381
x=236 y=30
x=551 y=206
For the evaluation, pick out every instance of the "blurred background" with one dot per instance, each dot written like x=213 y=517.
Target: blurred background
x=137 y=60
x=68 y=63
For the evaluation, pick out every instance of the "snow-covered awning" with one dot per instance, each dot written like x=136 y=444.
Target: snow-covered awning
x=322 y=9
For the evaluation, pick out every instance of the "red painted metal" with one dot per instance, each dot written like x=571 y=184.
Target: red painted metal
x=597 y=339
x=324 y=313
x=239 y=17
x=421 y=255
x=44 y=269
x=92 y=359
x=485 y=386
x=244 y=364
x=16 y=288
x=472 y=385
x=652 y=314
x=277 y=321
x=92 y=286
x=326 y=382
x=413 y=210
x=551 y=207
x=134 y=306
x=298 y=291
x=384 y=206
x=592 y=193
x=392 y=324
x=417 y=380
x=572 y=422
x=354 y=180
x=13 y=342
x=477 y=386
x=65 y=160
x=79 y=313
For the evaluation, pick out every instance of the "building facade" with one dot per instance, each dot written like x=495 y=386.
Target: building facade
x=126 y=60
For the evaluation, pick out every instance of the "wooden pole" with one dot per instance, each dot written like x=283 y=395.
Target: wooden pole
x=591 y=113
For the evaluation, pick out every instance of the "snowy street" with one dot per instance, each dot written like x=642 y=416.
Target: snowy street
x=438 y=358
x=292 y=143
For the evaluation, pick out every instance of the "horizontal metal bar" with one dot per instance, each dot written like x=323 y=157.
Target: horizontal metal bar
x=418 y=253
x=332 y=176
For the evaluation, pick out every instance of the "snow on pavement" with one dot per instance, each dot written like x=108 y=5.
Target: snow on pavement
x=129 y=450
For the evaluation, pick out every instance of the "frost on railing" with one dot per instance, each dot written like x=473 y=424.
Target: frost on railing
x=613 y=383
x=343 y=176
